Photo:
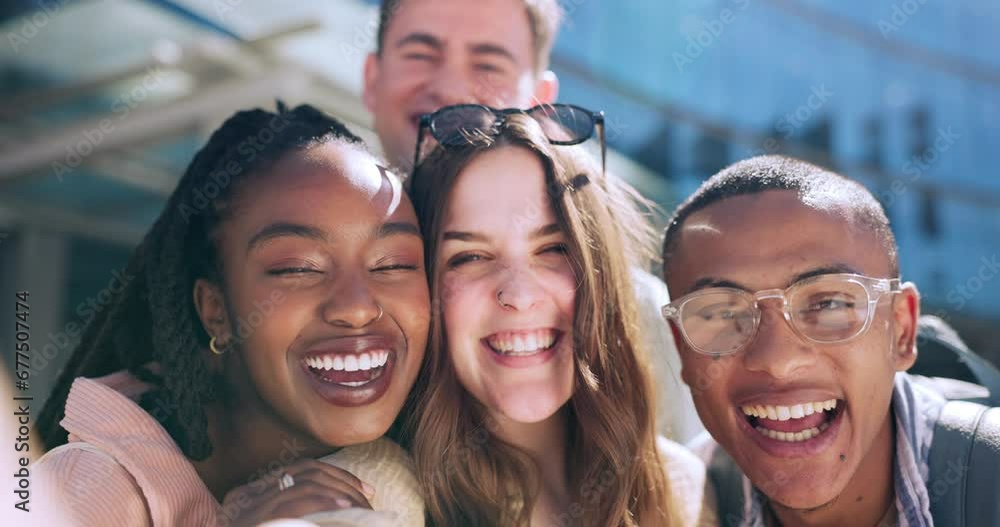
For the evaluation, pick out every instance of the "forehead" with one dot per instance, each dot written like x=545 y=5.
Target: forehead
x=504 y=188
x=765 y=238
x=459 y=23
x=332 y=181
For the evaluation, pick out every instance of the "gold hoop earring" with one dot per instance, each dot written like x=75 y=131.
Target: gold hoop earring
x=215 y=350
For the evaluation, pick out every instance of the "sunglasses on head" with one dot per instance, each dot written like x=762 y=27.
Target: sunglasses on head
x=562 y=124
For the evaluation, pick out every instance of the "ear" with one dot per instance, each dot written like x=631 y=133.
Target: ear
x=547 y=88
x=370 y=81
x=210 y=304
x=906 y=313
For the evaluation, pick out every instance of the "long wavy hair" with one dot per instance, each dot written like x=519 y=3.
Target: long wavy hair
x=472 y=477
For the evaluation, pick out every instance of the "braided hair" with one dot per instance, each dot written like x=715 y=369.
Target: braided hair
x=154 y=318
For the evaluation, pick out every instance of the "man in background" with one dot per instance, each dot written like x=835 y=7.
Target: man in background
x=435 y=53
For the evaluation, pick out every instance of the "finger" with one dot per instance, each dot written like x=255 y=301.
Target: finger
x=337 y=472
x=305 y=502
x=335 y=485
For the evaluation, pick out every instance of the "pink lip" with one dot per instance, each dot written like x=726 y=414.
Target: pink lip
x=811 y=447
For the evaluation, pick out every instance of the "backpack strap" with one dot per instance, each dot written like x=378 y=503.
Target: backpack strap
x=964 y=463
x=727 y=481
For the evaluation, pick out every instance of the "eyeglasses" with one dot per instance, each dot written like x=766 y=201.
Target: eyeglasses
x=824 y=309
x=562 y=124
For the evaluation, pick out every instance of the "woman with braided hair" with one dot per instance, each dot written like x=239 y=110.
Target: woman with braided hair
x=277 y=312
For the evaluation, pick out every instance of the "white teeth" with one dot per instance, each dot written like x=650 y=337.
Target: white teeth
x=784 y=413
x=363 y=362
x=792 y=437
x=350 y=363
x=522 y=343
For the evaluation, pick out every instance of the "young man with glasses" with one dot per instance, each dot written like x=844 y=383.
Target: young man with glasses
x=436 y=53
x=795 y=331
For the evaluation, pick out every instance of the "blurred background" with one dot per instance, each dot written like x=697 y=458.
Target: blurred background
x=105 y=102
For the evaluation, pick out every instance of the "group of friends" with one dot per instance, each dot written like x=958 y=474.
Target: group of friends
x=465 y=332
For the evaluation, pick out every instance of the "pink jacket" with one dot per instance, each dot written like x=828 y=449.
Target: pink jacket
x=120 y=466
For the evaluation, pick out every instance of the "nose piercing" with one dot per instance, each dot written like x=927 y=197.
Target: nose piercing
x=500 y=299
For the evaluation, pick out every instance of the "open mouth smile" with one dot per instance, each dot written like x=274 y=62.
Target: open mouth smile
x=352 y=371
x=799 y=429
x=523 y=348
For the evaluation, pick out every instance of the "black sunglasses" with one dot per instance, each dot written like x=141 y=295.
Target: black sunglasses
x=562 y=124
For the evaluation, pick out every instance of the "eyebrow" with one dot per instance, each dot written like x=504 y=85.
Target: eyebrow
x=283 y=229
x=394 y=228
x=421 y=38
x=818 y=271
x=298 y=230
x=492 y=49
x=541 y=232
x=829 y=269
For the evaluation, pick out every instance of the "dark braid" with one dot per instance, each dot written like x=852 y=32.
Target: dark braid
x=154 y=318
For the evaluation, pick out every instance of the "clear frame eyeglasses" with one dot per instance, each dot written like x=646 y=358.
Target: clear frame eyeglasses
x=828 y=309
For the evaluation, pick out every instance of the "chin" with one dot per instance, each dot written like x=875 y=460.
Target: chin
x=529 y=406
x=346 y=431
x=808 y=488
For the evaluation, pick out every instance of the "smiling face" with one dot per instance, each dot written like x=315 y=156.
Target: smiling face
x=835 y=396
x=441 y=52
x=326 y=300
x=508 y=288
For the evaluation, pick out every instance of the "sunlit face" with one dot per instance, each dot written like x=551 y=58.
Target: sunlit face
x=442 y=52
x=325 y=287
x=770 y=240
x=507 y=288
